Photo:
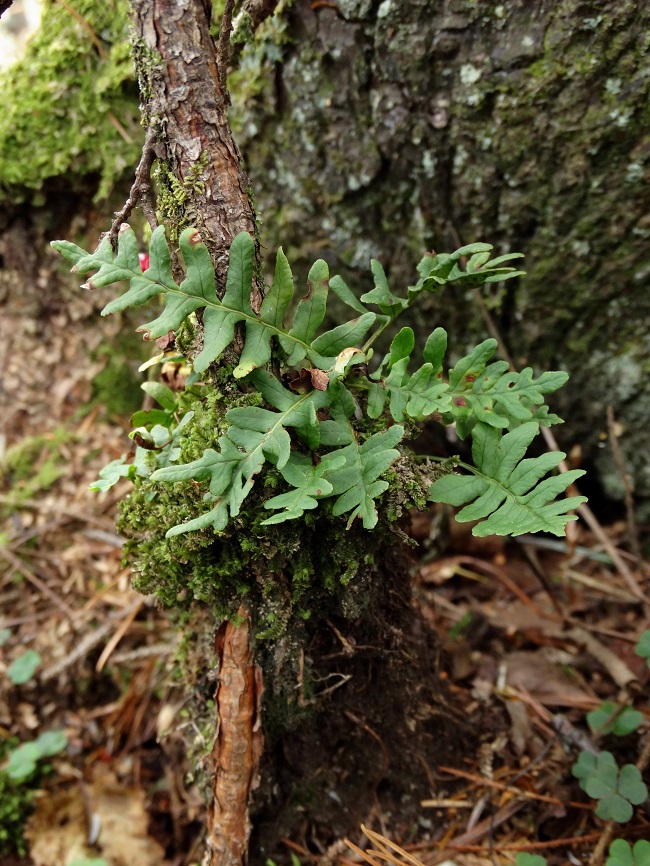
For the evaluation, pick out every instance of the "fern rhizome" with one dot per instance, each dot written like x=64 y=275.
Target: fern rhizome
x=308 y=428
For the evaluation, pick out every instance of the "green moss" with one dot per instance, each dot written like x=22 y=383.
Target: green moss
x=285 y=570
x=16 y=803
x=66 y=109
x=173 y=204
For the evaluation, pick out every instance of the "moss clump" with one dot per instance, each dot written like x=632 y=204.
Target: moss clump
x=286 y=570
x=174 y=207
x=70 y=106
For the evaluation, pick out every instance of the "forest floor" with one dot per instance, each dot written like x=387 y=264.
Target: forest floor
x=538 y=631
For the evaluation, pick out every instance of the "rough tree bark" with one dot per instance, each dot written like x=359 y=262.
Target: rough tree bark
x=390 y=127
x=185 y=104
x=187 y=107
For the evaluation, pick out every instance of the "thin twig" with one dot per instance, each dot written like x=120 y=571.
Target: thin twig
x=619 y=460
x=21 y=567
x=223 y=46
x=511 y=789
x=75 y=14
x=256 y=12
x=118 y=635
x=615 y=666
x=141 y=188
x=88 y=642
x=470 y=837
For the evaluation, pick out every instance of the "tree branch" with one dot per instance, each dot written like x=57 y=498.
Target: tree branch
x=223 y=46
x=237 y=747
x=140 y=191
x=257 y=11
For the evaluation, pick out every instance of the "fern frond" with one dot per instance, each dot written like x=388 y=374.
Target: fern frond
x=494 y=395
x=198 y=290
x=504 y=488
x=437 y=270
x=254 y=436
x=356 y=483
x=308 y=486
x=418 y=395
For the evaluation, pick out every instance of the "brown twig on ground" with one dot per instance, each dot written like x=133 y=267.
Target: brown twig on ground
x=619 y=460
x=511 y=789
x=16 y=563
x=90 y=640
x=237 y=746
x=122 y=629
x=478 y=832
x=615 y=667
x=140 y=190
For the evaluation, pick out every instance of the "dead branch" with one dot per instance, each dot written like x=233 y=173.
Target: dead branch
x=257 y=11
x=237 y=747
x=223 y=46
x=140 y=191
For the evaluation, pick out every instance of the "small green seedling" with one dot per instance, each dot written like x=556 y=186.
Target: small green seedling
x=22 y=669
x=606 y=720
x=524 y=859
x=621 y=853
x=616 y=789
x=23 y=760
x=642 y=649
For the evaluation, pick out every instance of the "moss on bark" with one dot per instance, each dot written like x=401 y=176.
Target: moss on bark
x=70 y=105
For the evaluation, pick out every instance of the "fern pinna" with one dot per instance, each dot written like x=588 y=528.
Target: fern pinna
x=330 y=426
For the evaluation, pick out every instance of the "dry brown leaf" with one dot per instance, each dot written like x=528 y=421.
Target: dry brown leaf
x=544 y=680
x=58 y=829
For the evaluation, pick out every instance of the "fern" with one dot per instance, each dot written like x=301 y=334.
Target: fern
x=198 y=290
x=418 y=395
x=504 y=488
x=497 y=396
x=316 y=437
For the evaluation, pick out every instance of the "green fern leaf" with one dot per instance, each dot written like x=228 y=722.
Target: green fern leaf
x=494 y=395
x=504 y=488
x=356 y=483
x=198 y=290
x=391 y=305
x=437 y=270
x=418 y=395
x=308 y=485
x=255 y=435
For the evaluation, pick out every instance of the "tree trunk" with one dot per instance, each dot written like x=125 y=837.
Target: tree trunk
x=186 y=107
x=392 y=127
